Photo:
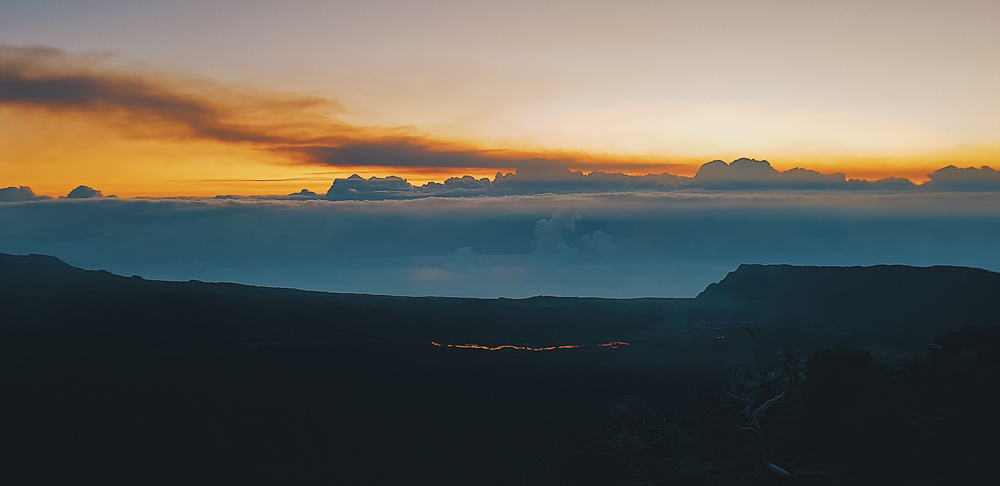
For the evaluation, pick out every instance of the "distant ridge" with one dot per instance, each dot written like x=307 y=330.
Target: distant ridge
x=894 y=306
x=36 y=263
x=44 y=298
x=812 y=285
x=789 y=286
x=125 y=378
x=916 y=295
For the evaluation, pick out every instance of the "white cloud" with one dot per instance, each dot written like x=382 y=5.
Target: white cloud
x=549 y=241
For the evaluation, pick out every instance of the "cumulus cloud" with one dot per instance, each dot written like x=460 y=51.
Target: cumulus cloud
x=304 y=194
x=887 y=184
x=467 y=183
x=758 y=174
x=555 y=241
x=809 y=179
x=378 y=188
x=597 y=243
x=464 y=260
x=84 y=192
x=550 y=236
x=952 y=178
x=541 y=176
x=19 y=193
x=740 y=171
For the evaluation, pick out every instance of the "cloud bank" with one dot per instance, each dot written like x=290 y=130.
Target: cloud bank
x=952 y=178
x=539 y=176
x=615 y=244
x=538 y=226
x=19 y=194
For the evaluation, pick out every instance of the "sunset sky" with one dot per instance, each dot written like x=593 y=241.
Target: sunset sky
x=185 y=98
x=801 y=132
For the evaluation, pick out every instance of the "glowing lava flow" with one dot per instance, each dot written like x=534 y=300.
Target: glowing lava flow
x=612 y=345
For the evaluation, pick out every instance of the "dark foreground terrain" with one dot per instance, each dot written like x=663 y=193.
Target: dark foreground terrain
x=124 y=380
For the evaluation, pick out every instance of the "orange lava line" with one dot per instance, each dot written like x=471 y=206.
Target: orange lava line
x=612 y=345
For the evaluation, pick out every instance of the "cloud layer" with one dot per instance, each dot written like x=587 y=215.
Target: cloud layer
x=539 y=226
x=538 y=176
x=617 y=244
x=952 y=178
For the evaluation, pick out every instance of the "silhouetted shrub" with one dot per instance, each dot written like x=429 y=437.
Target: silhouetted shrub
x=857 y=419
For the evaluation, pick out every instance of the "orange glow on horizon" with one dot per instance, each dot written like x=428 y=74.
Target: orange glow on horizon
x=140 y=133
x=54 y=152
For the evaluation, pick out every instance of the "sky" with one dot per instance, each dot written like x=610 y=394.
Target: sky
x=604 y=142
x=205 y=98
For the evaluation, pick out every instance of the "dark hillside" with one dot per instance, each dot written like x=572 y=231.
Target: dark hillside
x=44 y=298
x=127 y=380
x=887 y=302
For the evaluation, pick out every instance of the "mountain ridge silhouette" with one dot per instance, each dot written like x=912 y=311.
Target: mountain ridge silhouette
x=135 y=380
x=891 y=305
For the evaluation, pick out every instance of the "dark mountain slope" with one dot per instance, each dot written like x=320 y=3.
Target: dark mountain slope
x=829 y=289
x=893 y=300
x=126 y=380
x=44 y=298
